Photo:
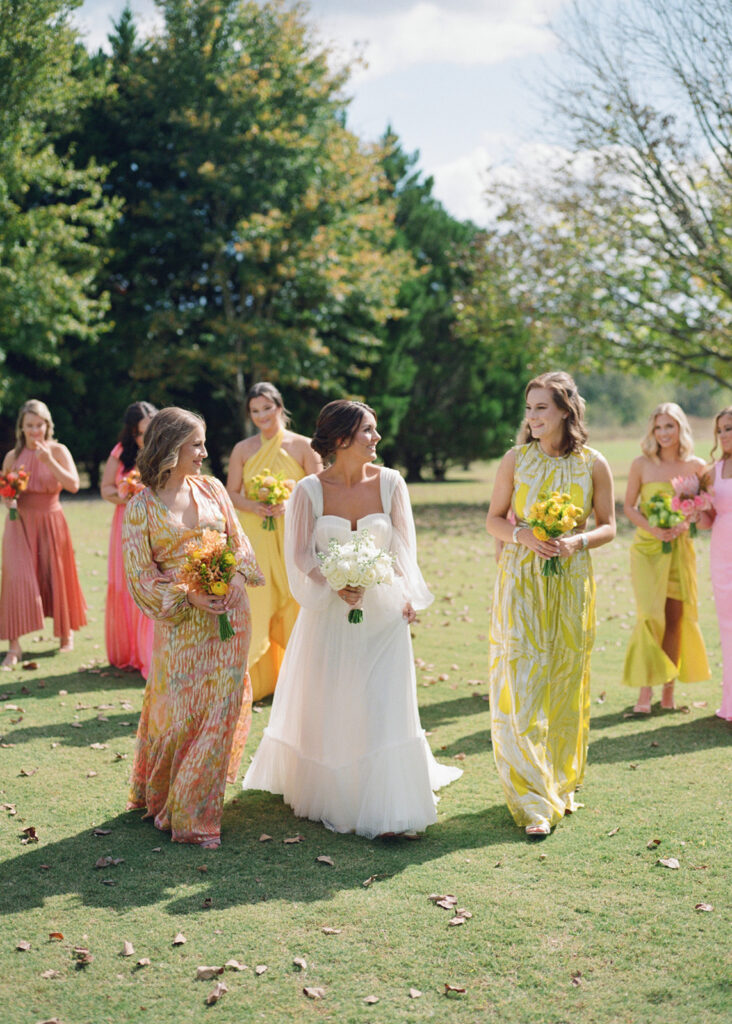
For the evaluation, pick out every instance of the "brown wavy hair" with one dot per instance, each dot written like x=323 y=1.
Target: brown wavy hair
x=337 y=421
x=567 y=398
x=37 y=408
x=168 y=432
x=717 y=418
x=263 y=389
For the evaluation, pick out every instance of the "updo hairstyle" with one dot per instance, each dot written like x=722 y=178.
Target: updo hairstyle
x=337 y=425
x=168 y=432
x=567 y=398
x=266 y=390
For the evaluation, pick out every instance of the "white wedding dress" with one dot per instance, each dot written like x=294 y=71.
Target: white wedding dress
x=344 y=744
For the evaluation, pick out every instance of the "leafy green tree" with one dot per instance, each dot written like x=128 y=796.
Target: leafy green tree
x=448 y=385
x=54 y=216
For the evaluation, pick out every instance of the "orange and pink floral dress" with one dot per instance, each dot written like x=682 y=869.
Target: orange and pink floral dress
x=39 y=570
x=196 y=710
x=128 y=633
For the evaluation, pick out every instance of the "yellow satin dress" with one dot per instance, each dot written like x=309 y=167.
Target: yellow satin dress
x=657 y=576
x=542 y=632
x=273 y=607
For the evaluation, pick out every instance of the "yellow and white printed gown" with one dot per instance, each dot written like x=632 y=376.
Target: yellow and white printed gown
x=542 y=632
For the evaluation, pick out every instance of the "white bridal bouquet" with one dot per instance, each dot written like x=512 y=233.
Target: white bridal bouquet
x=357 y=563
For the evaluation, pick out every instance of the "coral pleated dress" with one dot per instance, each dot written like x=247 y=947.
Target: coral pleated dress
x=39 y=575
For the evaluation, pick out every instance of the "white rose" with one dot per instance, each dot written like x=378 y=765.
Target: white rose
x=337 y=579
x=369 y=576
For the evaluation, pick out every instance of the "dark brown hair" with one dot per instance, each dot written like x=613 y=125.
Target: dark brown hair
x=168 y=432
x=134 y=414
x=266 y=390
x=337 y=422
x=567 y=398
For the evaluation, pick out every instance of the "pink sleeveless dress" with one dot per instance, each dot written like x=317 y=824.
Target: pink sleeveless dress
x=721 y=572
x=128 y=633
x=39 y=575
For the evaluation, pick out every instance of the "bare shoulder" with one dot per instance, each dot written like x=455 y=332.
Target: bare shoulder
x=8 y=460
x=245 y=448
x=59 y=450
x=297 y=442
x=697 y=464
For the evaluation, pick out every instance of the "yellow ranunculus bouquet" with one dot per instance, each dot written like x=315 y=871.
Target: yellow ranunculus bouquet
x=208 y=569
x=271 y=489
x=552 y=516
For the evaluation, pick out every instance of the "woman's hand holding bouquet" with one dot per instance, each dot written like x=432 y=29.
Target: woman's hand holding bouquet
x=11 y=485
x=355 y=566
x=661 y=516
x=690 y=500
x=552 y=516
x=271 y=491
x=209 y=575
x=130 y=484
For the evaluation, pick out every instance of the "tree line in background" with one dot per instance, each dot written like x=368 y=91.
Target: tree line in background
x=190 y=213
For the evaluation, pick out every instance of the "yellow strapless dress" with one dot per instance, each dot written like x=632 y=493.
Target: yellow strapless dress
x=657 y=576
x=273 y=607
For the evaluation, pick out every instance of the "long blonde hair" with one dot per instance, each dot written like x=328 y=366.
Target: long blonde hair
x=717 y=418
x=649 y=444
x=37 y=408
x=168 y=431
x=567 y=398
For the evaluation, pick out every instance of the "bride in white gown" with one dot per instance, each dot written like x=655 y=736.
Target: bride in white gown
x=344 y=744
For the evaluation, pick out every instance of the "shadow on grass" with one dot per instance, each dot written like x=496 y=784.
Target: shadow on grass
x=36 y=685
x=243 y=871
x=675 y=738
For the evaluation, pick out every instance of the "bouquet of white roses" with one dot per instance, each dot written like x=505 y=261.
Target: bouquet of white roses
x=357 y=563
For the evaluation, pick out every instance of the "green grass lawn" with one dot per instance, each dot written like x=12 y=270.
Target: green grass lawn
x=584 y=927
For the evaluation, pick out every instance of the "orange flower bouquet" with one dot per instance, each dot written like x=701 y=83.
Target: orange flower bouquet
x=130 y=484
x=271 y=489
x=209 y=567
x=552 y=516
x=11 y=484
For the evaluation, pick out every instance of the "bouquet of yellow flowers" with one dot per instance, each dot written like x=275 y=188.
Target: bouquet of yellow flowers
x=271 y=489
x=130 y=484
x=659 y=511
x=551 y=516
x=208 y=569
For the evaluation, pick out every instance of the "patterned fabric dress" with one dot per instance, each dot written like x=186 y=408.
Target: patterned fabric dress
x=542 y=632
x=128 y=633
x=656 y=576
x=721 y=566
x=39 y=570
x=274 y=609
x=196 y=710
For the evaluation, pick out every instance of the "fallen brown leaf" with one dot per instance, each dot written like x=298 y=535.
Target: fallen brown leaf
x=127 y=949
x=314 y=993
x=458 y=757
x=179 y=939
x=206 y=973
x=414 y=993
x=369 y=881
x=294 y=839
x=98 y=746
x=108 y=881
x=10 y=808
x=202 y=868
x=601 y=698
x=300 y=963
x=82 y=956
x=234 y=965
x=55 y=936
x=23 y=946
x=704 y=907
x=31 y=836
x=614 y=831
x=331 y=931
x=653 y=843
x=462 y=912
x=216 y=993
x=322 y=859
x=260 y=969
x=30 y=665
x=27 y=772
x=453 y=988
x=577 y=978
x=371 y=1000
x=669 y=862
x=455 y=921
x=264 y=838
x=90 y=775
x=144 y=962
x=207 y=902
x=51 y=974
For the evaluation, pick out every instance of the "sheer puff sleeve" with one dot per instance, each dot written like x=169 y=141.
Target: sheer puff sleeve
x=404 y=545
x=246 y=562
x=157 y=594
x=307 y=583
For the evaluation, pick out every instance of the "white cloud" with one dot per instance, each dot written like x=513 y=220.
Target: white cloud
x=95 y=19
x=430 y=32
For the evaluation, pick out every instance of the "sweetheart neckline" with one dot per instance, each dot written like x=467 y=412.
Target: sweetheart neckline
x=343 y=519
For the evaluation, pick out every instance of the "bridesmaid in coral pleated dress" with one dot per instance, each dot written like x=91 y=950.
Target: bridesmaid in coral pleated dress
x=128 y=633
x=196 y=710
x=666 y=642
x=279 y=450
x=719 y=476
x=39 y=575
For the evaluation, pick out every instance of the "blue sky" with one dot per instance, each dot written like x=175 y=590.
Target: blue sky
x=459 y=80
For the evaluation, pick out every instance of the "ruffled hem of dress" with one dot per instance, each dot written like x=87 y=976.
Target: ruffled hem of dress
x=359 y=797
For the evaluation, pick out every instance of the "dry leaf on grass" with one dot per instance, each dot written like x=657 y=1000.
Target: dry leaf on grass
x=264 y=838
x=601 y=698
x=102 y=831
x=203 y=868
x=29 y=666
x=47 y=975
x=414 y=993
x=207 y=902
x=456 y=921
x=371 y=1000
x=314 y=993
x=127 y=949
x=294 y=839
x=144 y=962
x=23 y=946
x=26 y=773
x=704 y=907
x=234 y=965
x=55 y=936
x=29 y=835
x=462 y=912
x=614 y=831
x=260 y=969
x=216 y=993
x=669 y=862
x=206 y=973
x=322 y=859
x=179 y=939
x=369 y=881
x=91 y=775
x=458 y=757
x=10 y=808
x=98 y=746
x=331 y=931
x=577 y=978
x=82 y=956
x=699 y=704
x=300 y=963
x=652 y=844
x=453 y=988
